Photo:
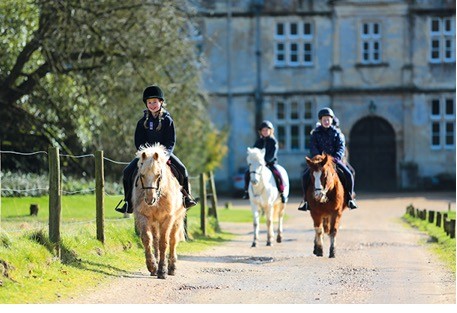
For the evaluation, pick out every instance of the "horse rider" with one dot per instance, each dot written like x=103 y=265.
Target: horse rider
x=267 y=141
x=156 y=126
x=326 y=138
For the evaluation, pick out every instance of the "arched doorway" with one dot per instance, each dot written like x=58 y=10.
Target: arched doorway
x=372 y=154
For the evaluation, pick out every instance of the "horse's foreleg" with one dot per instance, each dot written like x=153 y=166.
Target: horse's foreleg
x=175 y=236
x=319 y=238
x=256 y=219
x=147 y=238
x=332 y=234
x=165 y=229
x=270 y=230
x=280 y=221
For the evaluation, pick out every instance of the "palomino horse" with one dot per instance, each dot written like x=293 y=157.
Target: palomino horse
x=158 y=210
x=326 y=199
x=264 y=195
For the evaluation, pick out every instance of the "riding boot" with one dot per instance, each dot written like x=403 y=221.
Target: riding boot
x=189 y=201
x=283 y=198
x=303 y=206
x=351 y=203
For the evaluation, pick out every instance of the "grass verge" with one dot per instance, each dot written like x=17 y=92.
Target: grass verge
x=30 y=273
x=441 y=244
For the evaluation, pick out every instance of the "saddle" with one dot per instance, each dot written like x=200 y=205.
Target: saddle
x=179 y=176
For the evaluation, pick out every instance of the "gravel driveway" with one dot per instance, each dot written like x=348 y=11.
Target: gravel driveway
x=378 y=261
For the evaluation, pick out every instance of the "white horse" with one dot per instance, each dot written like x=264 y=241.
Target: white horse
x=264 y=195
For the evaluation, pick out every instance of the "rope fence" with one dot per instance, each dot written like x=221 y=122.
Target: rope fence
x=55 y=191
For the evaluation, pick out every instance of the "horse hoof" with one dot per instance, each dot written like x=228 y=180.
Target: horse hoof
x=253 y=245
x=269 y=244
x=279 y=239
x=318 y=251
x=161 y=275
x=331 y=254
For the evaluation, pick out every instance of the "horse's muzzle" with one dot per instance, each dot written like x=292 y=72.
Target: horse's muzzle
x=150 y=201
x=320 y=195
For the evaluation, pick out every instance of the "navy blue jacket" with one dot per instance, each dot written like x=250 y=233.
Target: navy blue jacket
x=329 y=140
x=270 y=145
x=165 y=136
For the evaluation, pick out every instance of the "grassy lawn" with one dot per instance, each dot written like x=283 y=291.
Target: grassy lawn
x=31 y=273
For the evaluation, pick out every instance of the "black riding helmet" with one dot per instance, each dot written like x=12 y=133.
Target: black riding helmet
x=153 y=92
x=325 y=112
x=266 y=124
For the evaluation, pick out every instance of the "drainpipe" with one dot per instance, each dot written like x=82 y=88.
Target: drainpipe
x=257 y=6
x=230 y=109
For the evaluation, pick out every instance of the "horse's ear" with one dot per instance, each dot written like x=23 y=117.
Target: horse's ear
x=263 y=151
x=308 y=160
x=325 y=159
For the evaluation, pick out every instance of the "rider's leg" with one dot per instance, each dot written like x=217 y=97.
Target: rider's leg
x=279 y=181
x=127 y=179
x=305 y=180
x=189 y=201
x=349 y=185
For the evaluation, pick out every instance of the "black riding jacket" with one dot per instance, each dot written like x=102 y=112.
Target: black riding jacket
x=150 y=135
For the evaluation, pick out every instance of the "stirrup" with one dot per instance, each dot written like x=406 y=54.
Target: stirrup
x=189 y=202
x=352 y=205
x=123 y=209
x=303 y=206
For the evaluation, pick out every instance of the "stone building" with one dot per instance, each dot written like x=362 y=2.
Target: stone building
x=386 y=68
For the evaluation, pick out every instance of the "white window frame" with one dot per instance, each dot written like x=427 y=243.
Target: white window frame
x=305 y=122
x=445 y=39
x=368 y=43
x=442 y=119
x=297 y=39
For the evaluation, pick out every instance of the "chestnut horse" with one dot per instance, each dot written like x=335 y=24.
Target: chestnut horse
x=326 y=199
x=158 y=209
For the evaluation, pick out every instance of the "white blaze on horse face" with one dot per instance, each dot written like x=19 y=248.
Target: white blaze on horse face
x=317 y=180
x=319 y=192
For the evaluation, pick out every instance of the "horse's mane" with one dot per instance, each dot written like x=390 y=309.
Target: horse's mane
x=320 y=161
x=157 y=150
x=256 y=155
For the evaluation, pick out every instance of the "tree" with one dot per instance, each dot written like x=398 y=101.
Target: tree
x=72 y=75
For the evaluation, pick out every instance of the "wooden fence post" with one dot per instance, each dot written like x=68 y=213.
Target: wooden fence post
x=438 y=219
x=212 y=185
x=99 y=195
x=452 y=228
x=55 y=198
x=431 y=216
x=203 y=203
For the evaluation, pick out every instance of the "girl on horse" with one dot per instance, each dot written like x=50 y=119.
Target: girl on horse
x=326 y=138
x=268 y=142
x=156 y=126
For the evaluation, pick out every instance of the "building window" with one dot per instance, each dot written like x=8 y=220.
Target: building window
x=442 y=40
x=442 y=116
x=294 y=119
x=370 y=43
x=293 y=44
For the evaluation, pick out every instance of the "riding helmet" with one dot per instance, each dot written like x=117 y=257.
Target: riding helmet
x=325 y=112
x=153 y=92
x=266 y=124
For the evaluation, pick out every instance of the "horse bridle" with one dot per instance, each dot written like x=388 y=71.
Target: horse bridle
x=157 y=187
